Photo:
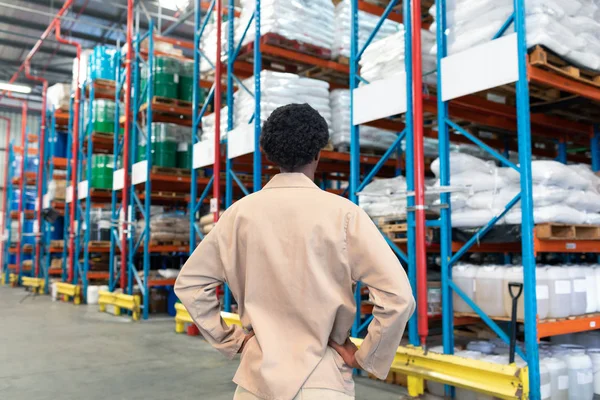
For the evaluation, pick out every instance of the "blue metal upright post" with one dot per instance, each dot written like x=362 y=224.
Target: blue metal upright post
x=444 y=155
x=528 y=255
x=24 y=153
x=562 y=151
x=68 y=205
x=257 y=156
x=6 y=216
x=195 y=121
x=88 y=200
x=595 y=145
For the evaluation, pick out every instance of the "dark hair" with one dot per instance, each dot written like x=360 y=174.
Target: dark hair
x=293 y=135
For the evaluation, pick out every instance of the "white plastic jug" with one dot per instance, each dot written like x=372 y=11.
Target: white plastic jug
x=579 y=294
x=92 y=295
x=489 y=291
x=595 y=356
x=545 y=383
x=559 y=377
x=591 y=295
x=542 y=292
x=463 y=276
x=465 y=394
x=581 y=375
x=597 y=290
x=561 y=287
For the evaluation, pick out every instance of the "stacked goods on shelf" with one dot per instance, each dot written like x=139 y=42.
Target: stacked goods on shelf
x=166 y=226
x=207 y=222
x=370 y=137
x=561 y=193
x=208 y=44
x=57 y=187
x=208 y=125
x=30 y=166
x=279 y=89
x=82 y=66
x=103 y=116
x=366 y=24
x=184 y=148
x=385 y=58
x=58 y=144
x=102 y=171
x=170 y=145
x=165 y=77
x=308 y=22
x=102 y=63
x=384 y=197
x=185 y=88
x=569 y=28
x=100 y=224
x=58 y=96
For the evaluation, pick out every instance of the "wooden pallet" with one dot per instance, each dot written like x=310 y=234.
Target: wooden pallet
x=551 y=231
x=100 y=243
x=545 y=59
x=169 y=243
x=276 y=40
x=343 y=60
x=170 y=101
x=170 y=171
x=57 y=244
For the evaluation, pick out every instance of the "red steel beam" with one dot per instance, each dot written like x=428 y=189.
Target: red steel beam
x=74 y=152
x=5 y=196
x=22 y=181
x=41 y=166
x=419 y=173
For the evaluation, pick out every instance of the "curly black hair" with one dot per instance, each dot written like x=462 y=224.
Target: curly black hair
x=293 y=135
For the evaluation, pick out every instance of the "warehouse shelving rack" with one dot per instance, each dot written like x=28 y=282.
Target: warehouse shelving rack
x=527 y=124
x=8 y=276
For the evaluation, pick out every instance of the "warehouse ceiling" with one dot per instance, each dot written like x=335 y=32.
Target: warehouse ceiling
x=89 y=22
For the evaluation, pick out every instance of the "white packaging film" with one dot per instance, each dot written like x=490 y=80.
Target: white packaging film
x=567 y=27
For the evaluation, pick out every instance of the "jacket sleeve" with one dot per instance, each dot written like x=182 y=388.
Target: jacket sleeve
x=373 y=263
x=196 y=288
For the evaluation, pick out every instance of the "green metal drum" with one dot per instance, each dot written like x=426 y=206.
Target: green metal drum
x=163 y=145
x=184 y=155
x=102 y=171
x=166 y=77
x=103 y=116
x=186 y=83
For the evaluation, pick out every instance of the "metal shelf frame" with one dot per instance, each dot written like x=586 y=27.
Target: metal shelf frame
x=356 y=181
x=66 y=276
x=449 y=257
x=8 y=189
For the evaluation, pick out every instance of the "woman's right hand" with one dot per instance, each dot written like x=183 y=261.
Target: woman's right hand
x=347 y=351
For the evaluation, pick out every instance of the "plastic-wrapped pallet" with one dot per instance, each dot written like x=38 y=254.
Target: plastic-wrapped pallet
x=208 y=45
x=384 y=197
x=385 y=58
x=305 y=21
x=208 y=125
x=370 y=137
x=561 y=194
x=166 y=226
x=567 y=27
x=59 y=96
x=279 y=89
x=366 y=23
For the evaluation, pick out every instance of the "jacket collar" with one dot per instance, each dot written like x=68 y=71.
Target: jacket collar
x=290 y=180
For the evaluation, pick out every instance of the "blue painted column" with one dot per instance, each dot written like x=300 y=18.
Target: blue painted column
x=524 y=135
x=595 y=145
x=562 y=151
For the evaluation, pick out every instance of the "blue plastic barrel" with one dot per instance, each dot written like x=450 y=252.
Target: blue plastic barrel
x=102 y=63
x=59 y=145
x=14 y=200
x=16 y=165
x=57 y=229
x=28 y=237
x=12 y=259
x=30 y=197
x=32 y=164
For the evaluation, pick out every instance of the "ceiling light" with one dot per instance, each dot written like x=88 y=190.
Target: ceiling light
x=15 y=88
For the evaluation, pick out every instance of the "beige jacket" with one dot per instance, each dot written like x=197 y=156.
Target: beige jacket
x=290 y=254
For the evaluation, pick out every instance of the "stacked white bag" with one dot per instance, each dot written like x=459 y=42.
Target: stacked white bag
x=366 y=23
x=279 y=89
x=384 y=197
x=208 y=125
x=385 y=58
x=570 y=28
x=369 y=137
x=208 y=45
x=561 y=193
x=306 y=21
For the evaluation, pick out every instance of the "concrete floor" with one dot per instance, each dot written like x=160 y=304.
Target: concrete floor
x=56 y=350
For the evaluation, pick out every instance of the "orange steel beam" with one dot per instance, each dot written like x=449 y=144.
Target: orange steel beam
x=376 y=10
x=563 y=83
x=566 y=246
x=59 y=162
x=303 y=58
x=562 y=327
